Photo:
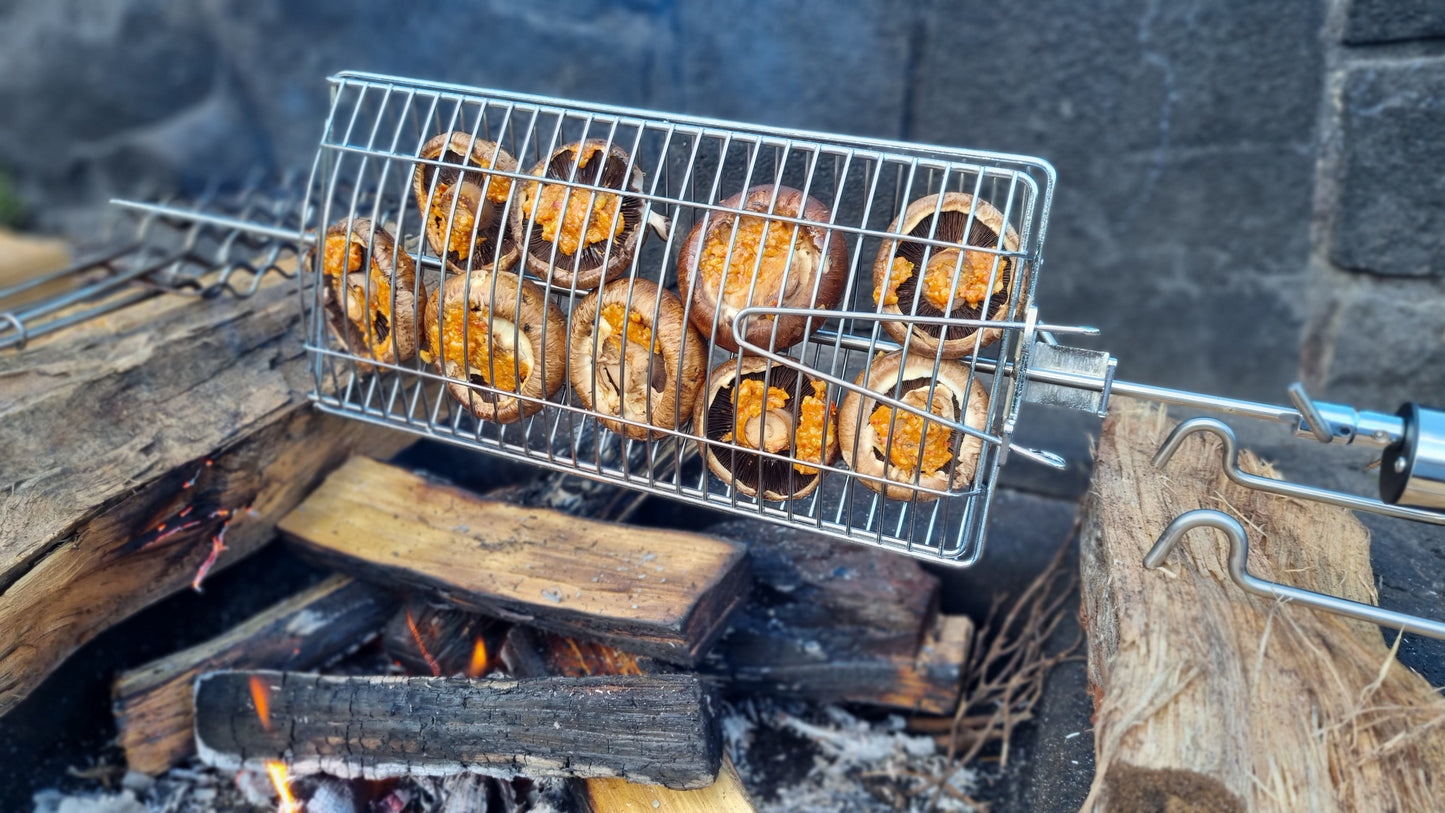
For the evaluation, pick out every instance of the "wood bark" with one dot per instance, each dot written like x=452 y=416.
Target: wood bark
x=1208 y=698
x=658 y=729
x=834 y=622
x=666 y=594
x=152 y=704
x=104 y=425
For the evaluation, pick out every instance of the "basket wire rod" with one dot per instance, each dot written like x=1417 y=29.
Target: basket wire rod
x=335 y=179
x=1239 y=572
x=102 y=260
x=238 y=224
x=860 y=231
x=1229 y=451
x=369 y=78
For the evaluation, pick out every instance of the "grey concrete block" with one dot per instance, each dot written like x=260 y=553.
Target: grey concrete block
x=1183 y=141
x=1390 y=201
x=1379 y=343
x=1373 y=21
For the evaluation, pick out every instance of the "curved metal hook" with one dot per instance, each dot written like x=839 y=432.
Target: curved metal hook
x=1230 y=450
x=1239 y=572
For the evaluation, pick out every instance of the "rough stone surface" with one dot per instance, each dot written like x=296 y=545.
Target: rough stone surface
x=1375 y=21
x=1183 y=140
x=1389 y=198
x=1377 y=343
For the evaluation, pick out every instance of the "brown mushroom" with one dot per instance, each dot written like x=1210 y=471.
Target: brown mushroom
x=948 y=458
x=954 y=282
x=639 y=367
x=580 y=237
x=464 y=213
x=789 y=414
x=722 y=270
x=372 y=314
x=491 y=341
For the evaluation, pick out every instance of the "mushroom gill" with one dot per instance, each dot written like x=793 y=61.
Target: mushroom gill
x=372 y=312
x=730 y=262
x=634 y=356
x=901 y=446
x=493 y=334
x=956 y=282
x=576 y=236
x=748 y=409
x=462 y=206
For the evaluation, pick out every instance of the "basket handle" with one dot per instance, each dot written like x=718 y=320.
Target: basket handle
x=1239 y=572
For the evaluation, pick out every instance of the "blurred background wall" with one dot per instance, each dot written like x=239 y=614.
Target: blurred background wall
x=1248 y=192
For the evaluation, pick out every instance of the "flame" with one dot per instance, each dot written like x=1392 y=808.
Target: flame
x=288 y=803
x=436 y=668
x=261 y=696
x=479 y=659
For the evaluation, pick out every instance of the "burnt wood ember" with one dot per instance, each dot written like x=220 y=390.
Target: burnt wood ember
x=1207 y=698
x=833 y=622
x=437 y=641
x=665 y=594
x=530 y=653
x=152 y=704
x=103 y=425
x=657 y=729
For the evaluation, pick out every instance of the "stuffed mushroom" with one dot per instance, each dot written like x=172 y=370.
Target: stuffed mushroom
x=494 y=334
x=462 y=206
x=578 y=237
x=781 y=411
x=924 y=280
x=634 y=356
x=372 y=312
x=880 y=441
x=730 y=262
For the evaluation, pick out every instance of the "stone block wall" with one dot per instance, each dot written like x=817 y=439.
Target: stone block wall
x=1208 y=213
x=1376 y=332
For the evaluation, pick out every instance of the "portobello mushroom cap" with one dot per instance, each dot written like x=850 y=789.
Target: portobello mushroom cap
x=715 y=420
x=359 y=305
x=504 y=344
x=644 y=385
x=897 y=297
x=705 y=265
x=591 y=262
x=864 y=446
x=480 y=199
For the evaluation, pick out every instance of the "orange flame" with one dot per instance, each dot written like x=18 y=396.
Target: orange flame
x=261 y=696
x=288 y=804
x=479 y=659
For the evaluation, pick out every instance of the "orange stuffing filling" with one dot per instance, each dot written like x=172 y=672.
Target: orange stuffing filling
x=751 y=404
x=639 y=335
x=460 y=239
x=336 y=260
x=907 y=435
x=972 y=288
x=754 y=234
x=814 y=415
x=499 y=366
x=600 y=212
x=900 y=272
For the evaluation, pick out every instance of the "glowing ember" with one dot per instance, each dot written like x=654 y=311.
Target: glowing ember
x=218 y=544
x=261 y=696
x=479 y=659
x=288 y=804
x=436 y=668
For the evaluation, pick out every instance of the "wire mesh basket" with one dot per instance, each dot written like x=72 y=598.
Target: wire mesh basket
x=771 y=323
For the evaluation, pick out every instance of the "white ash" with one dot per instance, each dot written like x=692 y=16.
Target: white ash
x=855 y=764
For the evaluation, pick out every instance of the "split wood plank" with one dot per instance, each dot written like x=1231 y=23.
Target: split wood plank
x=103 y=426
x=833 y=622
x=152 y=704
x=659 y=729
x=1208 y=698
x=666 y=594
